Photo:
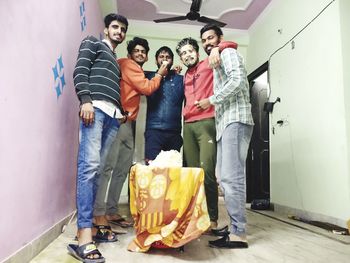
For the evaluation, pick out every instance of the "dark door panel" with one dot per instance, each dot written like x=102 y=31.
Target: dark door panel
x=258 y=169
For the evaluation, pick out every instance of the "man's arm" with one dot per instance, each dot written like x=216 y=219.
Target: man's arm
x=134 y=75
x=234 y=77
x=86 y=57
x=214 y=57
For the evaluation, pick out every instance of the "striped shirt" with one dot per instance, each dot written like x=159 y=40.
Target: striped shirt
x=231 y=92
x=97 y=73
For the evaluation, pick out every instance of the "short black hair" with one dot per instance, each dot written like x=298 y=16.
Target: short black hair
x=112 y=17
x=214 y=27
x=137 y=41
x=187 y=41
x=165 y=49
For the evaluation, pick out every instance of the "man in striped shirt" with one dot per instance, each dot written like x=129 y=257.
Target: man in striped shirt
x=234 y=127
x=96 y=80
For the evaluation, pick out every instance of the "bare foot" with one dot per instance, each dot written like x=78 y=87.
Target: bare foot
x=102 y=221
x=114 y=217
x=213 y=224
x=85 y=236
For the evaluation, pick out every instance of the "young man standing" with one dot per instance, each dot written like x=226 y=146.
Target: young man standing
x=234 y=127
x=199 y=127
x=164 y=108
x=133 y=84
x=96 y=80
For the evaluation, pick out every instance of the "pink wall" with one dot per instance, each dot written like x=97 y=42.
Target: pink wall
x=39 y=130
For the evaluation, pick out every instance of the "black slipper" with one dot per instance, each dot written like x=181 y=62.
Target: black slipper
x=221 y=232
x=82 y=252
x=103 y=233
x=225 y=242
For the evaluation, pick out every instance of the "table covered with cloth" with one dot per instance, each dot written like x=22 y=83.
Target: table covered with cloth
x=168 y=206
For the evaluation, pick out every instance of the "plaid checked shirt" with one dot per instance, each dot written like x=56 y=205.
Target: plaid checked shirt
x=231 y=92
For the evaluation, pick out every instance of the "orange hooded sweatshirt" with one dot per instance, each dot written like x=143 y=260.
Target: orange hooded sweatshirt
x=134 y=84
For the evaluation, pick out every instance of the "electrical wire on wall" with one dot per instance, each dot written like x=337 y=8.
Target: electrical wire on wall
x=291 y=41
x=284 y=121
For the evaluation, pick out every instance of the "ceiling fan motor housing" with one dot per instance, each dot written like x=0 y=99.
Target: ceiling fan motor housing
x=192 y=15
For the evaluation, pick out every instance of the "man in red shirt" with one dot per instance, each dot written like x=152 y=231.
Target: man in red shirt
x=199 y=132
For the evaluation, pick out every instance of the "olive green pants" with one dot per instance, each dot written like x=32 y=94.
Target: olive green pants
x=200 y=151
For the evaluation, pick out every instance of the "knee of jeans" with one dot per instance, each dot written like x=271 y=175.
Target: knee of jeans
x=226 y=182
x=88 y=169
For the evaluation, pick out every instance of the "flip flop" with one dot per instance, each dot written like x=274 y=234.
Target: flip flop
x=119 y=230
x=102 y=234
x=121 y=222
x=82 y=252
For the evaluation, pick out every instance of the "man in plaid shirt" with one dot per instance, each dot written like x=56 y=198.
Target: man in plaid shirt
x=234 y=127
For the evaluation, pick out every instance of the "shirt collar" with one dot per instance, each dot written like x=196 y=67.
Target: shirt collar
x=108 y=44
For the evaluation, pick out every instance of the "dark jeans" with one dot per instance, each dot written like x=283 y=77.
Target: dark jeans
x=158 y=140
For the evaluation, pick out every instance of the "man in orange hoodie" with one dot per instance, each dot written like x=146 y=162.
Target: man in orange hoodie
x=132 y=85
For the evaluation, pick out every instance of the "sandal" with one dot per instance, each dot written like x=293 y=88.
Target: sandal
x=83 y=252
x=121 y=222
x=103 y=234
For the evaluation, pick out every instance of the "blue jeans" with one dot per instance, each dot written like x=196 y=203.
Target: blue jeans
x=232 y=151
x=95 y=141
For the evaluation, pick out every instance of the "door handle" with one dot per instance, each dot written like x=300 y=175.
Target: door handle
x=268 y=106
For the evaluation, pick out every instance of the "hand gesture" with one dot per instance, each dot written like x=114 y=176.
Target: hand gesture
x=163 y=69
x=202 y=104
x=177 y=69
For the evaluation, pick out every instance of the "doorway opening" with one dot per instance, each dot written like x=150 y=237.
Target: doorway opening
x=258 y=159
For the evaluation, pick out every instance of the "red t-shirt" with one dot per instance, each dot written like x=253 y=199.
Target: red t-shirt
x=198 y=83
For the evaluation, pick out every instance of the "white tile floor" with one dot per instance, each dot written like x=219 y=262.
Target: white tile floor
x=270 y=241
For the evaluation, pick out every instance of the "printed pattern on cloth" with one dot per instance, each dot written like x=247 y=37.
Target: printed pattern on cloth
x=168 y=206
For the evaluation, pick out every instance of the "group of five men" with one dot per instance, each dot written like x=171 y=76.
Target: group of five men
x=109 y=91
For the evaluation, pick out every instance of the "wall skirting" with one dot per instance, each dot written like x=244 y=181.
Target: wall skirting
x=283 y=213
x=33 y=248
x=285 y=210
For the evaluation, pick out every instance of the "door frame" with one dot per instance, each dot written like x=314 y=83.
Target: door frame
x=253 y=191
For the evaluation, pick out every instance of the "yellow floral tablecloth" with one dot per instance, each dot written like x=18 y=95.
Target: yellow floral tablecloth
x=168 y=206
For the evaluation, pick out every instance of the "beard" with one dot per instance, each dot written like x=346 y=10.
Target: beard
x=116 y=42
x=190 y=62
x=113 y=40
x=208 y=49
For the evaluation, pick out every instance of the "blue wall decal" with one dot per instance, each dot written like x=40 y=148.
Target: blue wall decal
x=58 y=76
x=82 y=16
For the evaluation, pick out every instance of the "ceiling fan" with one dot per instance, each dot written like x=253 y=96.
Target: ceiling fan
x=193 y=15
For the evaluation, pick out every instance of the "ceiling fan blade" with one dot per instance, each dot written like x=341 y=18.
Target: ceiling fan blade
x=208 y=20
x=196 y=5
x=170 y=19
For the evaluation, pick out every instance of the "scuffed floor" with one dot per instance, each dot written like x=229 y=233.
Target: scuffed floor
x=270 y=240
